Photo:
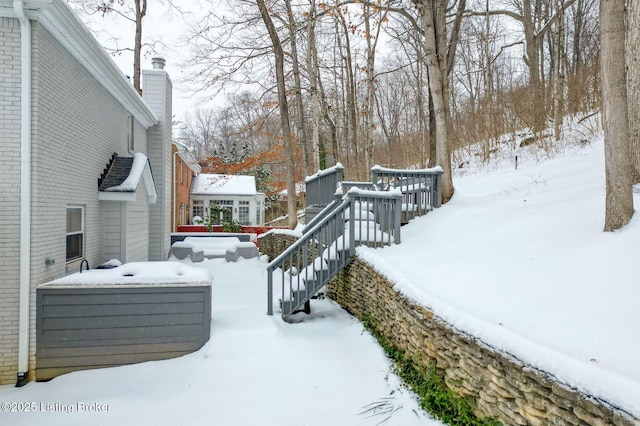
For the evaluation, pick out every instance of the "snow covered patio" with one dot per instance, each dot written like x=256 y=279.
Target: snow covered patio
x=255 y=370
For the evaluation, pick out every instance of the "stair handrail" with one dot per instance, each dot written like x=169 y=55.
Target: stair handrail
x=375 y=215
x=303 y=241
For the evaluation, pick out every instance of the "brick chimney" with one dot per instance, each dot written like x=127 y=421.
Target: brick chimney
x=157 y=92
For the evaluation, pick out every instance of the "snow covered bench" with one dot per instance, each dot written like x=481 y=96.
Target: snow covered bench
x=181 y=250
x=199 y=248
x=241 y=249
x=211 y=247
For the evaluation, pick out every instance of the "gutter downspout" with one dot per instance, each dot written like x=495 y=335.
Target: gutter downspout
x=25 y=193
x=174 y=197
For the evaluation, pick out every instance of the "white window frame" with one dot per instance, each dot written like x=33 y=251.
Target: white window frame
x=80 y=232
x=244 y=212
x=130 y=133
x=197 y=205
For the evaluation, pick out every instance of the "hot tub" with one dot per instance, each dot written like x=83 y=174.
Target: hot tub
x=136 y=312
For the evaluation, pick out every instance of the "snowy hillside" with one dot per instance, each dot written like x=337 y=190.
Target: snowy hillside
x=519 y=259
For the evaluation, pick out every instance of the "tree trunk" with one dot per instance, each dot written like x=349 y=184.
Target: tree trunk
x=369 y=101
x=141 y=11
x=352 y=104
x=436 y=89
x=284 y=114
x=633 y=85
x=312 y=62
x=558 y=81
x=619 y=194
x=532 y=60
x=300 y=121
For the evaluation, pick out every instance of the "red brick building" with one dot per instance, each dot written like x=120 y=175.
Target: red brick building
x=185 y=167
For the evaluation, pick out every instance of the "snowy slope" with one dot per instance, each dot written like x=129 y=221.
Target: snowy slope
x=519 y=259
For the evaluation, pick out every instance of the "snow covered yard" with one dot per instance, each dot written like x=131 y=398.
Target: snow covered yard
x=255 y=370
x=519 y=259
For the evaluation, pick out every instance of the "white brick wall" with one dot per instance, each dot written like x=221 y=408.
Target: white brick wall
x=77 y=126
x=9 y=196
x=157 y=91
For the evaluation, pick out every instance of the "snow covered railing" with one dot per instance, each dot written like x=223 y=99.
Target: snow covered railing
x=421 y=189
x=364 y=217
x=347 y=185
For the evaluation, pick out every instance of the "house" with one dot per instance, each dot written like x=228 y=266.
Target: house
x=185 y=167
x=85 y=173
x=229 y=197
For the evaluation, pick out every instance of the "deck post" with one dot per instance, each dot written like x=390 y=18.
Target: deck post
x=269 y=291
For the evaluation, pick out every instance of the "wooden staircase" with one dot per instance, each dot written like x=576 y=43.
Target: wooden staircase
x=370 y=216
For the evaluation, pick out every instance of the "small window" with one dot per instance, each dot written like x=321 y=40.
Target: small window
x=243 y=213
x=197 y=209
x=130 y=131
x=259 y=213
x=75 y=233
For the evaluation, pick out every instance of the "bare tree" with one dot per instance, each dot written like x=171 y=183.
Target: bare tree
x=633 y=85
x=134 y=14
x=284 y=112
x=433 y=15
x=558 y=69
x=619 y=198
x=298 y=102
x=312 y=66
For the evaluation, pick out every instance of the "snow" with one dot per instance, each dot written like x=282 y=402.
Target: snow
x=215 y=184
x=324 y=172
x=135 y=273
x=378 y=168
x=374 y=194
x=518 y=258
x=255 y=370
x=130 y=184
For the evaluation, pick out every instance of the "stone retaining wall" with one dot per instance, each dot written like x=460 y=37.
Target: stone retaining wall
x=496 y=383
x=275 y=242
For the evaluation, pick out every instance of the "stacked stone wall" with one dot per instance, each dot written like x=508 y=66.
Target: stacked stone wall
x=495 y=383
x=273 y=243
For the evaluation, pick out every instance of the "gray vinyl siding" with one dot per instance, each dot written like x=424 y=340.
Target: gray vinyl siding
x=137 y=234
x=9 y=196
x=126 y=229
x=85 y=328
x=113 y=230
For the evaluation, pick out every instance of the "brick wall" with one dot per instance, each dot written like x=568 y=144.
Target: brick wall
x=76 y=126
x=157 y=92
x=9 y=196
x=182 y=188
